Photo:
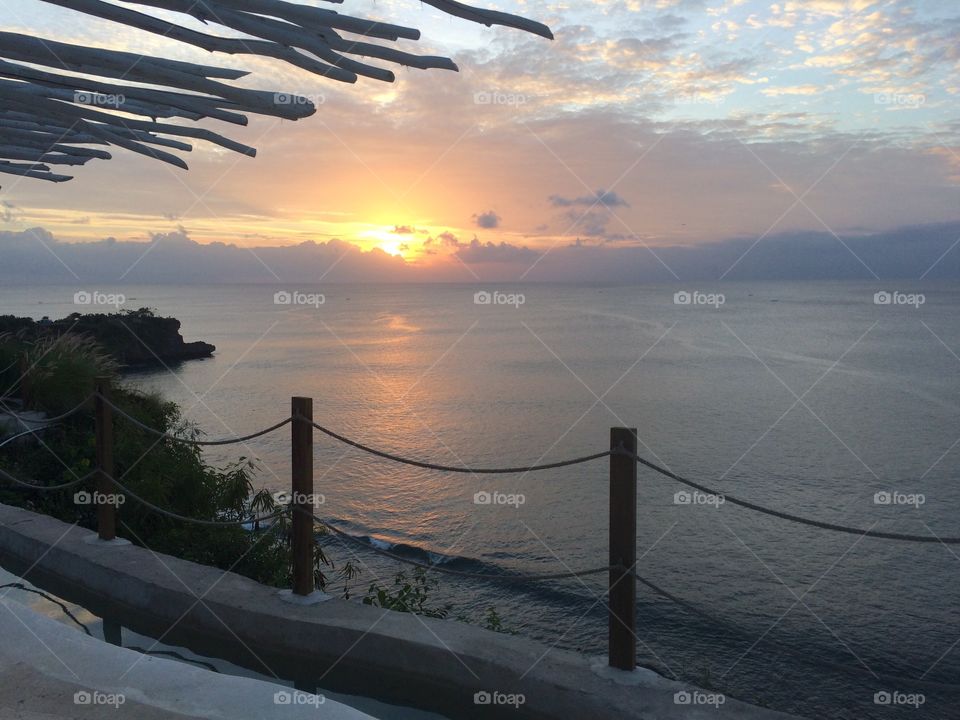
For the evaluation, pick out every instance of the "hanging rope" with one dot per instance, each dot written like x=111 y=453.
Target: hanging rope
x=188 y=441
x=788 y=516
x=196 y=521
x=451 y=469
x=24 y=420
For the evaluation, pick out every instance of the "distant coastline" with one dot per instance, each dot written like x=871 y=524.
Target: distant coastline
x=134 y=339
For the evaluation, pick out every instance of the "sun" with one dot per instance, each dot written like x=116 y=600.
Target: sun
x=391 y=246
x=386 y=240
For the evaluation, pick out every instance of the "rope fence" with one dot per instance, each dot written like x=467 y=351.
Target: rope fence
x=47 y=488
x=788 y=516
x=453 y=469
x=23 y=420
x=190 y=441
x=623 y=463
x=196 y=521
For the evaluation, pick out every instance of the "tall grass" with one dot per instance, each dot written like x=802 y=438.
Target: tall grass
x=53 y=373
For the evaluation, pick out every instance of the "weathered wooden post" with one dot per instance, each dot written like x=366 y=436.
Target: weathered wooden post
x=301 y=445
x=106 y=511
x=622 y=596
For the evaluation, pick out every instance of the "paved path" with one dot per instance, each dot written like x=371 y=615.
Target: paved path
x=49 y=671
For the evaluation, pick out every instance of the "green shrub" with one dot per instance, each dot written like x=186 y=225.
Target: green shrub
x=409 y=595
x=64 y=370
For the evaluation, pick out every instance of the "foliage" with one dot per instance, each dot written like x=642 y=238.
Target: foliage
x=129 y=337
x=62 y=371
x=493 y=622
x=409 y=594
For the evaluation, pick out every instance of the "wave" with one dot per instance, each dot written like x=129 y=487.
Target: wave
x=560 y=593
x=430 y=557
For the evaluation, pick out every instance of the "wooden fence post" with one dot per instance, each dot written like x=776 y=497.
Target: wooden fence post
x=106 y=512
x=622 y=597
x=301 y=447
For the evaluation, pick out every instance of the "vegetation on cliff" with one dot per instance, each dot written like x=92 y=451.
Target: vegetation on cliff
x=131 y=338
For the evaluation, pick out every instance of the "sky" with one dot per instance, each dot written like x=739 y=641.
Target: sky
x=648 y=129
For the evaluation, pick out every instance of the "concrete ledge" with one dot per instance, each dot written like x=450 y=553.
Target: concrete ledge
x=67 y=675
x=399 y=658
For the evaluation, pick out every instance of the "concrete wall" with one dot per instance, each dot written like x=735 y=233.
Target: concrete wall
x=43 y=670
x=432 y=664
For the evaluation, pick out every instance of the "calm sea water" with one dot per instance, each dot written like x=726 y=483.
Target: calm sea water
x=808 y=398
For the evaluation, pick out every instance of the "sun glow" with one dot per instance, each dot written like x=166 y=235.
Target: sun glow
x=388 y=241
x=392 y=247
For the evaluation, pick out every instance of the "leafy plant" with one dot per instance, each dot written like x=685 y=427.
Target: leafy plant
x=493 y=622
x=409 y=594
x=61 y=371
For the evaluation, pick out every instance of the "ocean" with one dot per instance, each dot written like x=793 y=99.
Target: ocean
x=823 y=399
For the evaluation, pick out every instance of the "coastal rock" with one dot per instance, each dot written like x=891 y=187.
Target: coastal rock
x=134 y=339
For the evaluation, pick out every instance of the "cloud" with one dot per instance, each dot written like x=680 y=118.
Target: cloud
x=603 y=198
x=403 y=230
x=591 y=223
x=478 y=253
x=448 y=239
x=35 y=257
x=792 y=90
x=174 y=258
x=607 y=94
x=487 y=220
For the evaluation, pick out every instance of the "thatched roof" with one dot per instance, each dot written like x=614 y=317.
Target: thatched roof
x=59 y=99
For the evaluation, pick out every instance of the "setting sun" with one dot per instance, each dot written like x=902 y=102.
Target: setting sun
x=393 y=247
x=385 y=239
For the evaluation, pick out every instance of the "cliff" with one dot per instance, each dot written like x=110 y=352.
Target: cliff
x=135 y=338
